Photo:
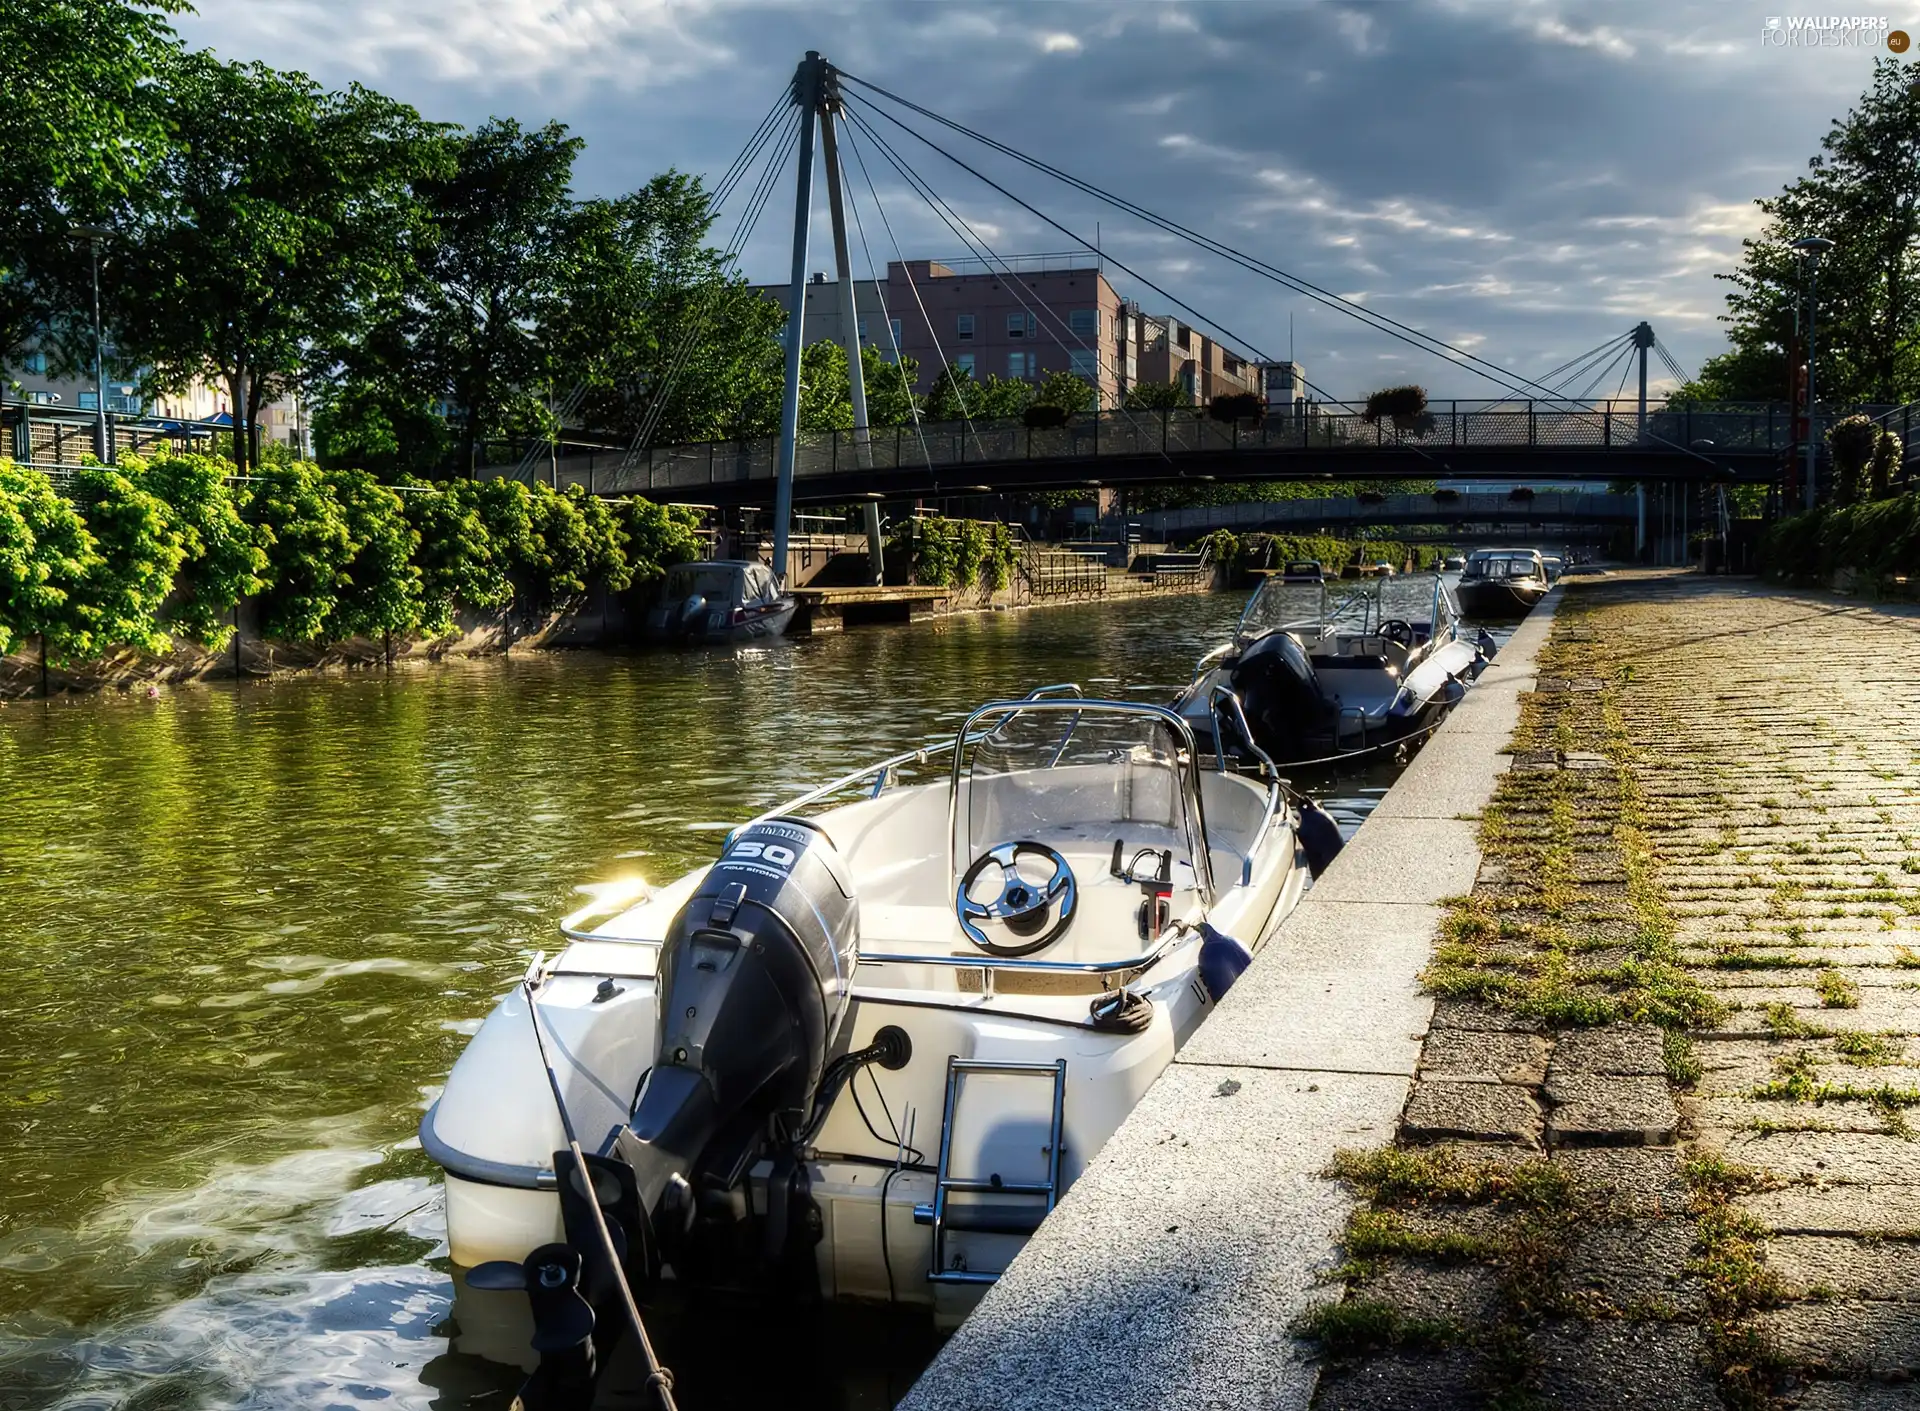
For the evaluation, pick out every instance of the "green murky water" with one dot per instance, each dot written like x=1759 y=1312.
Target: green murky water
x=251 y=927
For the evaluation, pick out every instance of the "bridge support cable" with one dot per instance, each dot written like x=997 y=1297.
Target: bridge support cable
x=1570 y=372
x=743 y=230
x=1673 y=365
x=974 y=242
x=1384 y=323
x=850 y=332
x=1621 y=355
x=966 y=413
x=886 y=314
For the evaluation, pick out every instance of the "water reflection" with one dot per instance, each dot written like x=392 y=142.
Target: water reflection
x=252 y=927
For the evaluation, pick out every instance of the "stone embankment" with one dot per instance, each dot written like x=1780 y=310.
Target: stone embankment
x=1659 y=1153
x=1642 y=1131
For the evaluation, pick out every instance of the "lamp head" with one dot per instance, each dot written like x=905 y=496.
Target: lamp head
x=1812 y=245
x=90 y=232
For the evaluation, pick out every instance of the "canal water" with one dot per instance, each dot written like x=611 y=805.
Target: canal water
x=250 y=928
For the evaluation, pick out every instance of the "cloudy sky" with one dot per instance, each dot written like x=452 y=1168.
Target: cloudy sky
x=1524 y=178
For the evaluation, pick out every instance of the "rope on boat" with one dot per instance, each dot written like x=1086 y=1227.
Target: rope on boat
x=658 y=1377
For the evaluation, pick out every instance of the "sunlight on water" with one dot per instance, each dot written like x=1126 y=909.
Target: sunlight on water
x=251 y=929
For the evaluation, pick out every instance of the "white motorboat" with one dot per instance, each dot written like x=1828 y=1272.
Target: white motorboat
x=1503 y=582
x=863 y=1053
x=1322 y=678
x=720 y=600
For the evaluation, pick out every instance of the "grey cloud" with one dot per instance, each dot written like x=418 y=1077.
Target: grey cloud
x=1533 y=177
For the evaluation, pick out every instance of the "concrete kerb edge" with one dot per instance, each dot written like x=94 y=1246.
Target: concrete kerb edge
x=977 y=1367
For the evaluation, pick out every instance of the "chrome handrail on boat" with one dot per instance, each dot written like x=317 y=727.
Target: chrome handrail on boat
x=1169 y=938
x=1275 y=785
x=1183 y=734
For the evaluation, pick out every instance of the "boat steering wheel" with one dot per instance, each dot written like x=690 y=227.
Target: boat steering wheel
x=1397 y=629
x=1024 y=908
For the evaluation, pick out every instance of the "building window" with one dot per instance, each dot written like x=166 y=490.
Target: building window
x=893 y=326
x=1020 y=325
x=123 y=404
x=963 y=364
x=1084 y=362
x=1020 y=365
x=89 y=401
x=963 y=326
x=44 y=399
x=861 y=330
x=35 y=363
x=1085 y=323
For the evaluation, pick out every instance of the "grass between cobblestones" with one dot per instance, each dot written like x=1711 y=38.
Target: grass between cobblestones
x=1483 y=1241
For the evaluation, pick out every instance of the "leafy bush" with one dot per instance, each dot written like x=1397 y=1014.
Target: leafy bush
x=46 y=559
x=1003 y=553
x=223 y=555
x=954 y=553
x=561 y=551
x=1878 y=541
x=606 y=540
x=658 y=536
x=308 y=547
x=1226 y=548
x=458 y=560
x=1888 y=452
x=139 y=549
x=380 y=587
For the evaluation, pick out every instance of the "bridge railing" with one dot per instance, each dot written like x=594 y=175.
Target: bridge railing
x=1171 y=434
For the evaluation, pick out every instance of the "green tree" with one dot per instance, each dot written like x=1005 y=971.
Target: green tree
x=379 y=585
x=140 y=548
x=458 y=560
x=1863 y=192
x=260 y=240
x=1066 y=391
x=78 y=129
x=499 y=217
x=956 y=396
x=1157 y=397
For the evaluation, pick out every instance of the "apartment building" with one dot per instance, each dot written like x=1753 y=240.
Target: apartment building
x=1025 y=318
x=286 y=419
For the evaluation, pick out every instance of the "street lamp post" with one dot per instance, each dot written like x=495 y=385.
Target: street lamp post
x=1811 y=248
x=93 y=235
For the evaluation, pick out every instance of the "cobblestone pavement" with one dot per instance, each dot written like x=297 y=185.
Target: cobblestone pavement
x=1662 y=1148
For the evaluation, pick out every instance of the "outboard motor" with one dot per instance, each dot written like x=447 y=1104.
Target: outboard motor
x=1280 y=693
x=693 y=614
x=753 y=984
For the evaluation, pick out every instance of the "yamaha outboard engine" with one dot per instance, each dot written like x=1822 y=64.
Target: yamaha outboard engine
x=752 y=989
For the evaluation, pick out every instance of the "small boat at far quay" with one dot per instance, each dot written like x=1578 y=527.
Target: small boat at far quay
x=718 y=601
x=1502 y=583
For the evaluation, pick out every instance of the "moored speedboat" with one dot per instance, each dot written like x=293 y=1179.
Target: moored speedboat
x=720 y=600
x=1320 y=679
x=1502 y=583
x=863 y=1053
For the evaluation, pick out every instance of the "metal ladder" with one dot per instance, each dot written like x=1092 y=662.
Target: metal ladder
x=980 y=1218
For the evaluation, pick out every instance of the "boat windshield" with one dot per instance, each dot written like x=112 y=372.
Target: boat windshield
x=712 y=581
x=1310 y=609
x=1505 y=568
x=1079 y=776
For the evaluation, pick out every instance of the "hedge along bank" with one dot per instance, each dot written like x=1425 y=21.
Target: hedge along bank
x=957 y=553
x=1869 y=535
x=147 y=557
x=1239 y=555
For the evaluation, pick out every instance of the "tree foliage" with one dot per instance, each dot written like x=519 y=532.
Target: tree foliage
x=262 y=236
x=1863 y=192
x=47 y=558
x=222 y=556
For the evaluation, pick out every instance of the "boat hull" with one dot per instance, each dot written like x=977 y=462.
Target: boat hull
x=1496 y=599
x=717 y=629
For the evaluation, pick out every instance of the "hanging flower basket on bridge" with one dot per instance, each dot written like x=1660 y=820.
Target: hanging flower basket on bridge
x=1405 y=407
x=1044 y=416
x=1520 y=492
x=1446 y=497
x=1238 y=406
x=1371 y=497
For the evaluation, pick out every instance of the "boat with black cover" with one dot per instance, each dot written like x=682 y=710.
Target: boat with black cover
x=1322 y=678
x=1499 y=583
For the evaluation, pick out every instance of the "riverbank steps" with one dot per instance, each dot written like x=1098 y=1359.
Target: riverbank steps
x=1661 y=1151
x=1176 y=1269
